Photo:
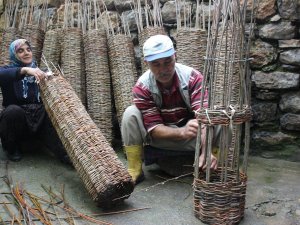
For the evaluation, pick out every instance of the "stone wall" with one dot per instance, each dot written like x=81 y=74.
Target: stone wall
x=275 y=67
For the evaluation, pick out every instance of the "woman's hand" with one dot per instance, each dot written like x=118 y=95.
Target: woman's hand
x=203 y=164
x=36 y=72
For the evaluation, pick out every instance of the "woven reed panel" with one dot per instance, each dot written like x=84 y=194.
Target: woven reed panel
x=123 y=71
x=52 y=46
x=72 y=61
x=219 y=202
x=104 y=175
x=98 y=85
x=191 y=47
x=35 y=36
x=146 y=33
x=8 y=36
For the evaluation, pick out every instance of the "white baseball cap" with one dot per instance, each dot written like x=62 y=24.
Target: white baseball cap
x=158 y=46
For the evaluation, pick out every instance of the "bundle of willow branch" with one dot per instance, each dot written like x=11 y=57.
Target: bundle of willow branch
x=103 y=174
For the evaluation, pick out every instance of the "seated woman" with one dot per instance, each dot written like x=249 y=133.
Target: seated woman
x=24 y=116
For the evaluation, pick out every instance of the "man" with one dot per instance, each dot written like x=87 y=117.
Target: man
x=164 y=99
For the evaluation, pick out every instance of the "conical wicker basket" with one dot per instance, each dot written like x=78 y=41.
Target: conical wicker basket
x=8 y=36
x=98 y=86
x=191 y=47
x=52 y=46
x=123 y=71
x=219 y=202
x=104 y=175
x=72 y=61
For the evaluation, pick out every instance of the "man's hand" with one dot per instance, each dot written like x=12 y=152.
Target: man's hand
x=189 y=131
x=203 y=164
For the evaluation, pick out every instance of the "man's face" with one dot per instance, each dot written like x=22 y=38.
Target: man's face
x=163 y=70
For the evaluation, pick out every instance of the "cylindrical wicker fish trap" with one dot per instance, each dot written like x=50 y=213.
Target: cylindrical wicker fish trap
x=219 y=196
x=35 y=35
x=123 y=70
x=8 y=36
x=219 y=202
x=191 y=47
x=52 y=46
x=103 y=174
x=146 y=33
x=98 y=86
x=72 y=61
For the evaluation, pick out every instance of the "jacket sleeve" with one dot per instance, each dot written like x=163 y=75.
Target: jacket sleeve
x=9 y=74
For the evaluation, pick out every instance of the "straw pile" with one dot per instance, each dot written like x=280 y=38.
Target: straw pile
x=98 y=88
x=123 y=70
x=72 y=61
x=103 y=174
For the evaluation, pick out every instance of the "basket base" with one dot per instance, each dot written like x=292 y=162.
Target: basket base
x=217 y=202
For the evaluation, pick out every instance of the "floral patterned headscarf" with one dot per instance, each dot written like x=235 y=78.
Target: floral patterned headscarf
x=13 y=48
x=28 y=82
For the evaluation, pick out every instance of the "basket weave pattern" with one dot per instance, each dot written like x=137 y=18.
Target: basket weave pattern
x=123 y=71
x=72 y=61
x=98 y=86
x=191 y=47
x=103 y=174
x=217 y=202
x=52 y=46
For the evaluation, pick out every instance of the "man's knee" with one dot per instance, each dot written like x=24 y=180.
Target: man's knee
x=130 y=114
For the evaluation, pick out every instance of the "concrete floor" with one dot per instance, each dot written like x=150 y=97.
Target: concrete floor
x=273 y=193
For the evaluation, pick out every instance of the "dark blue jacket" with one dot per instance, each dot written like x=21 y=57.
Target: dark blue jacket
x=16 y=89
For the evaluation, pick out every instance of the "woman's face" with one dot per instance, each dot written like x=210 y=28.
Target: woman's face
x=24 y=54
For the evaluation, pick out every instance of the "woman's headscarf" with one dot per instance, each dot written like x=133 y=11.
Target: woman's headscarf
x=13 y=48
x=27 y=81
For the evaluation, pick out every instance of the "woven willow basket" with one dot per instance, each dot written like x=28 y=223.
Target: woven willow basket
x=123 y=71
x=72 y=61
x=223 y=116
x=8 y=36
x=104 y=175
x=191 y=47
x=35 y=36
x=98 y=87
x=143 y=36
x=52 y=46
x=220 y=202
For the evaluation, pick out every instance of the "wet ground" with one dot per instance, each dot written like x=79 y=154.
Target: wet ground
x=273 y=194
